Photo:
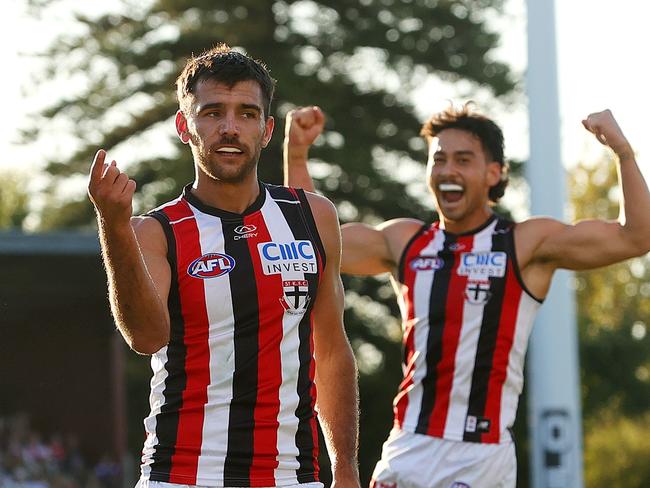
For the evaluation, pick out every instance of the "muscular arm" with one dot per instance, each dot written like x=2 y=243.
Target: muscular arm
x=336 y=372
x=134 y=254
x=369 y=250
x=594 y=243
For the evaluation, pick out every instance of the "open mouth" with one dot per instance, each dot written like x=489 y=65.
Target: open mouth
x=451 y=192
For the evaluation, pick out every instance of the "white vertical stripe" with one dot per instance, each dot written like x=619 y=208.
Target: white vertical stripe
x=218 y=301
x=421 y=297
x=466 y=352
x=280 y=231
x=156 y=400
x=514 y=382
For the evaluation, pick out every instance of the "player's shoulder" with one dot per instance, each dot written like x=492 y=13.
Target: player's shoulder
x=402 y=224
x=321 y=205
x=149 y=231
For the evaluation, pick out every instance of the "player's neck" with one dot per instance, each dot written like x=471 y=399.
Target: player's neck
x=466 y=223
x=232 y=197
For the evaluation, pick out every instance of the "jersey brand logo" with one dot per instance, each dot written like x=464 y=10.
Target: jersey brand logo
x=295 y=256
x=426 y=263
x=245 y=229
x=245 y=232
x=459 y=484
x=211 y=265
x=483 y=264
x=477 y=424
x=296 y=296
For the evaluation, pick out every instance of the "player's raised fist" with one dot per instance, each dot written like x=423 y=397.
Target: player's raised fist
x=110 y=190
x=304 y=125
x=604 y=126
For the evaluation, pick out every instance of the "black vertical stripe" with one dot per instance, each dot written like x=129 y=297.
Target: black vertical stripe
x=167 y=419
x=311 y=224
x=488 y=336
x=304 y=412
x=437 y=318
x=245 y=306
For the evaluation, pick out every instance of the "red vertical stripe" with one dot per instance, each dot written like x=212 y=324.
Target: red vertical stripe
x=269 y=372
x=505 y=339
x=197 y=360
x=450 y=338
x=408 y=289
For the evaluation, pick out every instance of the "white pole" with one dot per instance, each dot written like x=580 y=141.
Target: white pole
x=553 y=384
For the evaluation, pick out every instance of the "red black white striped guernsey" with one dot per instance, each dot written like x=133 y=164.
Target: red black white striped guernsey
x=466 y=317
x=233 y=394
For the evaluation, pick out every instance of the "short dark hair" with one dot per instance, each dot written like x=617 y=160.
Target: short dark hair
x=489 y=133
x=224 y=65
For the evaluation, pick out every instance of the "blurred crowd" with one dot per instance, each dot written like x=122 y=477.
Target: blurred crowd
x=28 y=459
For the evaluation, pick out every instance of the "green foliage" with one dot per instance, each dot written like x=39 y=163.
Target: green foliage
x=358 y=60
x=13 y=200
x=617 y=450
x=613 y=315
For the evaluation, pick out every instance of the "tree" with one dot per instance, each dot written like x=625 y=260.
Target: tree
x=359 y=60
x=13 y=200
x=613 y=314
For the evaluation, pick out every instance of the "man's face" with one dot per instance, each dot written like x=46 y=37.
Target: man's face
x=226 y=128
x=460 y=174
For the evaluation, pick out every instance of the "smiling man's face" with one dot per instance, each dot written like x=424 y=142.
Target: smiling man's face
x=460 y=176
x=226 y=129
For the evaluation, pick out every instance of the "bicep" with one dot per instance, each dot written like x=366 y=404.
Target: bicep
x=585 y=245
x=365 y=250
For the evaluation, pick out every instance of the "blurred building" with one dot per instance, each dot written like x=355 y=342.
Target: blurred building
x=61 y=360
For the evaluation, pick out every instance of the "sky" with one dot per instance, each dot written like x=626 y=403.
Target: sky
x=602 y=63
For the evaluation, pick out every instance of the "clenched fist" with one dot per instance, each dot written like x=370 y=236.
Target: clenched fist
x=110 y=190
x=303 y=126
x=604 y=126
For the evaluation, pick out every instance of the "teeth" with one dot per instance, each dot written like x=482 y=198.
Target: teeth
x=449 y=187
x=229 y=150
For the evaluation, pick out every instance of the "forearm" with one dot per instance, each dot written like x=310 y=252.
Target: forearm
x=138 y=310
x=296 y=173
x=338 y=400
x=634 y=202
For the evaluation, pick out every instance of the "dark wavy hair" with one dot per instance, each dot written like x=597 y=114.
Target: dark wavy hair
x=489 y=133
x=223 y=65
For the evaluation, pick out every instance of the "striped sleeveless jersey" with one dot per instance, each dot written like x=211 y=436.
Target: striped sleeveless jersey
x=466 y=320
x=232 y=394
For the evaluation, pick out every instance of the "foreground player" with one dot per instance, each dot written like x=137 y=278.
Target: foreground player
x=234 y=289
x=467 y=298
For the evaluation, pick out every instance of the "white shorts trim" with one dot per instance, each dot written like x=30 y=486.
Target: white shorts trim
x=143 y=483
x=420 y=461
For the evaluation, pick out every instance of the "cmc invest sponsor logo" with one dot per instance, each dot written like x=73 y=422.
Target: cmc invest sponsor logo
x=211 y=265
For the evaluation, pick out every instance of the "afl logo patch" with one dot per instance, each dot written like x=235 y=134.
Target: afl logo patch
x=426 y=263
x=211 y=265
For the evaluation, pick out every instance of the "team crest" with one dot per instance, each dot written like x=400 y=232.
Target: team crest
x=296 y=296
x=477 y=292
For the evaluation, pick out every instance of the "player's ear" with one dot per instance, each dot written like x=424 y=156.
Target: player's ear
x=181 y=128
x=494 y=170
x=269 y=124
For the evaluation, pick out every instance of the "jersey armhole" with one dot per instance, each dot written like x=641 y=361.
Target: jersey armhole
x=163 y=219
x=402 y=258
x=515 y=265
x=310 y=222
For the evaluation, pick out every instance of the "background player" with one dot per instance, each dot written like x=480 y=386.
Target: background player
x=469 y=287
x=234 y=289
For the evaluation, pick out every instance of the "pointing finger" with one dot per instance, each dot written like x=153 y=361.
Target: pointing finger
x=97 y=167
